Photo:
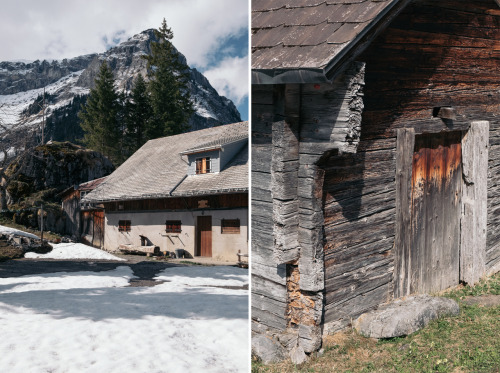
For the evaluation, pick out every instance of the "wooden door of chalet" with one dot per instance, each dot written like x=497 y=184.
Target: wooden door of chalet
x=436 y=189
x=204 y=235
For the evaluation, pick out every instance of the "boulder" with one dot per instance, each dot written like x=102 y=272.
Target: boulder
x=267 y=349
x=404 y=316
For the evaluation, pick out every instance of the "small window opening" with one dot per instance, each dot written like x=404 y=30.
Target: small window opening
x=124 y=226
x=173 y=226
x=203 y=165
x=230 y=226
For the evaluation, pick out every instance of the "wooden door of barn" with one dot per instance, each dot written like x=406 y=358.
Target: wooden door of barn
x=98 y=237
x=204 y=236
x=92 y=227
x=436 y=190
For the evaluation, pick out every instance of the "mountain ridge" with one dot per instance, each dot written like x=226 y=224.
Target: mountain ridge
x=21 y=83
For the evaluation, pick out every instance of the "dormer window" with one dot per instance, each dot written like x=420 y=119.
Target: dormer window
x=203 y=165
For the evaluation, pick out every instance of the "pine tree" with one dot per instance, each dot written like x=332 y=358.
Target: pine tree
x=168 y=88
x=99 y=116
x=138 y=117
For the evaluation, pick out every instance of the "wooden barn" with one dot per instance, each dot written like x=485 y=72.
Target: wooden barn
x=375 y=156
x=83 y=221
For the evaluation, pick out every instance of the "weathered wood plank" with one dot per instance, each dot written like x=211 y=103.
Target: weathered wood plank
x=267 y=321
x=262 y=94
x=346 y=311
x=337 y=257
x=355 y=284
x=380 y=225
x=284 y=170
x=404 y=145
x=474 y=216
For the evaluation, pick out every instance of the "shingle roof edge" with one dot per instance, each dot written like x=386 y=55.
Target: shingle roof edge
x=339 y=61
x=174 y=195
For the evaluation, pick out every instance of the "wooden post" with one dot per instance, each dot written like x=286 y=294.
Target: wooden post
x=405 y=144
x=284 y=175
x=41 y=222
x=474 y=202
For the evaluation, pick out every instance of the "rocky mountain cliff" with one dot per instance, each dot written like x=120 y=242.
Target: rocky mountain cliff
x=54 y=167
x=43 y=175
x=21 y=84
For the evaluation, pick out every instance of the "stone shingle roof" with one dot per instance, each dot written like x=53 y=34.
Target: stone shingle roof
x=158 y=169
x=311 y=34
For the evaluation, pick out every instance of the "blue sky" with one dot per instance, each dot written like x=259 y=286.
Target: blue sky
x=234 y=51
x=212 y=34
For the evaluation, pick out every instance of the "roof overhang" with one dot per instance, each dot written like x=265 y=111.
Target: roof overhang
x=284 y=76
x=202 y=148
x=168 y=196
x=340 y=61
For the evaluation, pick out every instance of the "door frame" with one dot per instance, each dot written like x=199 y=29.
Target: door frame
x=199 y=250
x=473 y=220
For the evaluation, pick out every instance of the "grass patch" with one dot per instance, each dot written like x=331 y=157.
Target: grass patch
x=8 y=252
x=468 y=342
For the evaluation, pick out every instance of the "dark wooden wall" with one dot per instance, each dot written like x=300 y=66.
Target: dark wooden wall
x=435 y=54
x=92 y=227
x=287 y=206
x=220 y=201
x=71 y=211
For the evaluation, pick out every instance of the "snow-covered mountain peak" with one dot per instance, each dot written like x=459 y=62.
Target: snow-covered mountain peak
x=22 y=82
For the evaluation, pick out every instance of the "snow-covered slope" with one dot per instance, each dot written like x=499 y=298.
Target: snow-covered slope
x=12 y=106
x=21 y=83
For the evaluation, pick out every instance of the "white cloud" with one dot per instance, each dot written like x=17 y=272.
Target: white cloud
x=56 y=29
x=230 y=78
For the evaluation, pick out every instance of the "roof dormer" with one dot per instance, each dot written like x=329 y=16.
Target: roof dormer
x=210 y=158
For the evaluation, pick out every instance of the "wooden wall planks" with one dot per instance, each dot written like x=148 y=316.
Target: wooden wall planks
x=434 y=54
x=426 y=58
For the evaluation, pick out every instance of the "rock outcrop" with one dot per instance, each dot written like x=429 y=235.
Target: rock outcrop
x=18 y=77
x=55 y=167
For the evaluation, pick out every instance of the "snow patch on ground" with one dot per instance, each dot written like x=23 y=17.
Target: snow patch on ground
x=73 y=251
x=17 y=232
x=201 y=276
x=119 y=277
x=60 y=326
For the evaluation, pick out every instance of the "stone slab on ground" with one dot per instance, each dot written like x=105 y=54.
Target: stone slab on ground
x=488 y=300
x=404 y=316
x=267 y=349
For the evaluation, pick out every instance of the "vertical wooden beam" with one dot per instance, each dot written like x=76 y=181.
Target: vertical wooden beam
x=474 y=202
x=284 y=173
x=405 y=145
